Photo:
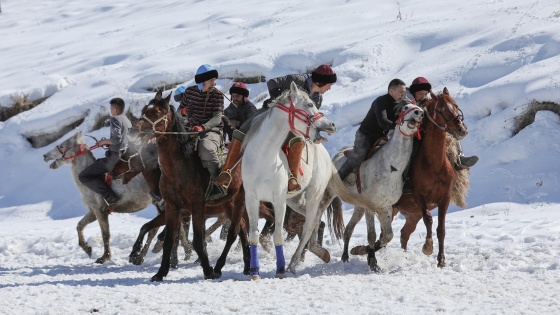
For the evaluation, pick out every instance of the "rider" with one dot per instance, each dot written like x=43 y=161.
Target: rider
x=380 y=118
x=118 y=141
x=420 y=91
x=314 y=84
x=203 y=105
x=240 y=108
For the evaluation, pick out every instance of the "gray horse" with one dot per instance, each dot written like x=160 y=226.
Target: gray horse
x=135 y=195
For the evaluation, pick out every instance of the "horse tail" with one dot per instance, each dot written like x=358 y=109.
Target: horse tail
x=335 y=218
x=339 y=189
x=461 y=183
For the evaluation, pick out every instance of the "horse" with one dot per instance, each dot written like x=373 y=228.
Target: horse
x=135 y=196
x=183 y=184
x=142 y=158
x=380 y=179
x=432 y=174
x=266 y=179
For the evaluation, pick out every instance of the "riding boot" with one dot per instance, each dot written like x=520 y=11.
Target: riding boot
x=215 y=192
x=294 y=158
x=346 y=169
x=463 y=162
x=234 y=155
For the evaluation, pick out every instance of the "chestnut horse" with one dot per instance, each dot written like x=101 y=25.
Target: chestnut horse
x=432 y=173
x=183 y=187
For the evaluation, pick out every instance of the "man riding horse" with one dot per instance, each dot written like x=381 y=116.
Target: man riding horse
x=315 y=85
x=203 y=106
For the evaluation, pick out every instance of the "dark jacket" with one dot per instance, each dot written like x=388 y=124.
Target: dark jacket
x=380 y=117
x=238 y=115
x=204 y=108
x=278 y=85
x=120 y=125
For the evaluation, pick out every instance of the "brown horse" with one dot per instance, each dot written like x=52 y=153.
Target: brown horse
x=432 y=173
x=142 y=158
x=184 y=188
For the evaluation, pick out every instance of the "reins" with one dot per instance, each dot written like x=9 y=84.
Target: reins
x=300 y=114
x=401 y=121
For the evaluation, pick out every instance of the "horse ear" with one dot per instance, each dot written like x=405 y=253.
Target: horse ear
x=168 y=98
x=158 y=95
x=294 y=88
x=445 y=91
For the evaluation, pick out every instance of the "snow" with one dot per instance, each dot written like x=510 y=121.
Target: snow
x=494 y=57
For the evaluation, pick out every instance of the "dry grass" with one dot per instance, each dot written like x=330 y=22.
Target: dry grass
x=21 y=104
x=527 y=117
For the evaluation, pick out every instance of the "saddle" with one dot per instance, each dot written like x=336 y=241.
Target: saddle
x=356 y=178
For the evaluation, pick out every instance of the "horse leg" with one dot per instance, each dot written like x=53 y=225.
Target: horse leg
x=442 y=212
x=184 y=238
x=219 y=222
x=87 y=219
x=385 y=222
x=158 y=246
x=172 y=219
x=103 y=219
x=411 y=220
x=199 y=229
x=264 y=238
x=151 y=234
x=314 y=246
x=312 y=219
x=187 y=245
x=136 y=257
x=372 y=241
x=252 y=205
x=232 y=236
x=349 y=230
x=428 y=247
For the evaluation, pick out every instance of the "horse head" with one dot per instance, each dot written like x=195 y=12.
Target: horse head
x=413 y=116
x=156 y=116
x=303 y=116
x=66 y=151
x=443 y=111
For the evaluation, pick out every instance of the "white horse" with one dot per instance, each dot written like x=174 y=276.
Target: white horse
x=381 y=181
x=135 y=195
x=265 y=174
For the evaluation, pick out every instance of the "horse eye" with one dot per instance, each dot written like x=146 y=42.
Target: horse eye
x=310 y=105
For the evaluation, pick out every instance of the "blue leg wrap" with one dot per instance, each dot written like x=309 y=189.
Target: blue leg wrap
x=254 y=264
x=280 y=262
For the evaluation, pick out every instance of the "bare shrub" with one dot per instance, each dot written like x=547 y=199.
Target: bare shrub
x=527 y=117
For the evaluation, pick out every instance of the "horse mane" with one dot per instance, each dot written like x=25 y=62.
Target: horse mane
x=257 y=121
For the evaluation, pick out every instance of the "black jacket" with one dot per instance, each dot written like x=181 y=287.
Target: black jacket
x=380 y=117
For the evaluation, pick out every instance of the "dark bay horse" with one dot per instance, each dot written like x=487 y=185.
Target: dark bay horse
x=432 y=173
x=183 y=184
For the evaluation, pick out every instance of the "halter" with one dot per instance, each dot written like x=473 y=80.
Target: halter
x=401 y=120
x=82 y=149
x=300 y=114
x=154 y=123
x=130 y=168
x=441 y=112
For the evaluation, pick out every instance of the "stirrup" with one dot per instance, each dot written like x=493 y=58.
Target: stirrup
x=298 y=187
x=225 y=187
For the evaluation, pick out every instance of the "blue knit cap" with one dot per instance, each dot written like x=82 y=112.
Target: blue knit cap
x=205 y=73
x=178 y=95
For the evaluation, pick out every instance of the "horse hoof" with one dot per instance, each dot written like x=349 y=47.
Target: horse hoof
x=281 y=275
x=359 y=250
x=255 y=277
x=102 y=260
x=326 y=256
x=88 y=251
x=375 y=268
x=156 y=278
x=344 y=258
x=136 y=260
x=428 y=247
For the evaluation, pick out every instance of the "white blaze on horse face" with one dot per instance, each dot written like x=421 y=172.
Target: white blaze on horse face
x=150 y=106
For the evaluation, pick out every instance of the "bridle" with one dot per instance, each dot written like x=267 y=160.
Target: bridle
x=401 y=121
x=458 y=117
x=82 y=149
x=300 y=114
x=165 y=120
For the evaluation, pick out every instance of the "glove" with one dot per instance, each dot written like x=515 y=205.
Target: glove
x=198 y=129
x=184 y=111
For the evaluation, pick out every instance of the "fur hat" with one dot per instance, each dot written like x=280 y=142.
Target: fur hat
x=178 y=95
x=323 y=75
x=205 y=73
x=420 y=84
x=239 y=88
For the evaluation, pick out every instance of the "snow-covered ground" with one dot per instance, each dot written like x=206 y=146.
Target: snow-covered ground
x=493 y=56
